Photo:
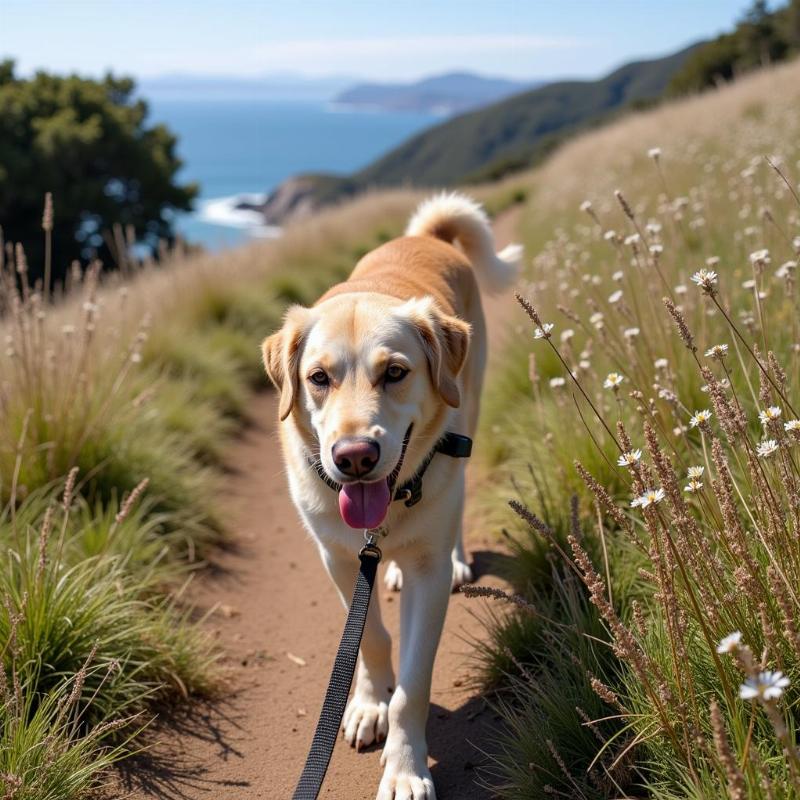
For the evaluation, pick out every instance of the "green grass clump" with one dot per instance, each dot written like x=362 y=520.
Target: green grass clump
x=690 y=519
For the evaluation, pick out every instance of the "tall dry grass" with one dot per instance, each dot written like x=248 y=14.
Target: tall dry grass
x=660 y=384
x=129 y=385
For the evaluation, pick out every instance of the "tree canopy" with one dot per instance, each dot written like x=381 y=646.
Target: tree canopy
x=88 y=143
x=761 y=37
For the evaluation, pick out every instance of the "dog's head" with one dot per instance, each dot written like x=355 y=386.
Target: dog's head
x=362 y=372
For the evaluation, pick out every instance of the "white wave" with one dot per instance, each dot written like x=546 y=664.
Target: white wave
x=223 y=211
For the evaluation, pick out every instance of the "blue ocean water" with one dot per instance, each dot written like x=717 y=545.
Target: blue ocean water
x=246 y=147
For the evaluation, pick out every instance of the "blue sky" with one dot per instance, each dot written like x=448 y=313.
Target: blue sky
x=403 y=39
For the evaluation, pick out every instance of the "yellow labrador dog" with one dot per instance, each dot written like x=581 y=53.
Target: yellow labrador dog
x=370 y=379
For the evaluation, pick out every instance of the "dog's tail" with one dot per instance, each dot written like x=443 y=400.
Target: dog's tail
x=455 y=218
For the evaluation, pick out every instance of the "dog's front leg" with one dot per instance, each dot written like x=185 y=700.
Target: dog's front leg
x=366 y=718
x=426 y=591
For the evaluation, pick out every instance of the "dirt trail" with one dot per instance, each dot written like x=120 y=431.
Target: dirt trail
x=278 y=621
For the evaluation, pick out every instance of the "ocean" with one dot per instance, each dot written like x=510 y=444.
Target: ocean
x=238 y=148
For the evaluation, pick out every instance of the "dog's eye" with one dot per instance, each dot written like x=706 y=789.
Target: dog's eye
x=319 y=378
x=395 y=373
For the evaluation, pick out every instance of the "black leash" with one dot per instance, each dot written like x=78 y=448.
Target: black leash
x=451 y=444
x=344 y=666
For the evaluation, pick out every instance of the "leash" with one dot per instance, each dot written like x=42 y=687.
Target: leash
x=330 y=718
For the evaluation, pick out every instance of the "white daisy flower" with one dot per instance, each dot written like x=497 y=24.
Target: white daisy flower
x=656 y=249
x=610 y=236
x=631 y=333
x=785 y=269
x=649 y=498
x=613 y=379
x=695 y=472
x=705 y=279
x=633 y=238
x=770 y=415
x=654 y=153
x=567 y=334
x=730 y=643
x=760 y=257
x=544 y=331
x=586 y=205
x=792 y=426
x=615 y=297
x=630 y=458
x=768 y=685
x=557 y=383
x=700 y=417
x=693 y=486
x=767 y=448
x=718 y=351
x=618 y=275
x=661 y=363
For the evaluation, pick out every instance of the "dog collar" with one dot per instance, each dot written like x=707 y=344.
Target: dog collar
x=451 y=444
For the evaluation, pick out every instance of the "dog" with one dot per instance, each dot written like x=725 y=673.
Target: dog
x=370 y=378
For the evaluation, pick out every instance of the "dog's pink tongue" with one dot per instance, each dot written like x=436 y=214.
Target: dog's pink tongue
x=364 y=505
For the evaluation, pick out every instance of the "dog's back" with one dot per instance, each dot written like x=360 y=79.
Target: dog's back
x=447 y=251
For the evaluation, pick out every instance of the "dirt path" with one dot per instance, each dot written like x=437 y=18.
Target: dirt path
x=278 y=621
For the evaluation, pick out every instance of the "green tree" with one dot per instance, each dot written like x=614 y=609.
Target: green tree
x=88 y=143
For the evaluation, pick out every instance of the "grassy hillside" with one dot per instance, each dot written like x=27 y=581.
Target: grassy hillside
x=514 y=129
x=116 y=404
x=664 y=399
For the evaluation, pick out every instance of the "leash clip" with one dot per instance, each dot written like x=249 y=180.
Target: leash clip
x=371 y=538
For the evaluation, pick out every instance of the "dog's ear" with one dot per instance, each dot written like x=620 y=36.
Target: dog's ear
x=446 y=342
x=281 y=353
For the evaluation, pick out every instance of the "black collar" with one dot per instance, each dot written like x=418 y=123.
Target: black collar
x=451 y=444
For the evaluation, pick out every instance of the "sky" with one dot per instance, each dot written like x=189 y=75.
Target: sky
x=378 y=40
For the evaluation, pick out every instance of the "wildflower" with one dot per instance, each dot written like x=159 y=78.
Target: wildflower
x=654 y=153
x=718 y=351
x=544 y=331
x=615 y=297
x=567 y=334
x=613 y=379
x=792 y=426
x=760 y=257
x=618 y=276
x=749 y=284
x=586 y=206
x=695 y=472
x=584 y=363
x=694 y=485
x=649 y=498
x=785 y=269
x=730 y=643
x=596 y=318
x=661 y=363
x=557 y=383
x=768 y=685
x=767 y=448
x=680 y=289
x=712 y=261
x=630 y=458
x=631 y=333
x=700 y=418
x=656 y=249
x=770 y=415
x=610 y=236
x=653 y=227
x=632 y=239
x=705 y=279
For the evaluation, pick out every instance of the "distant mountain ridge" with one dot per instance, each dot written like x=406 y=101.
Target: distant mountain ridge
x=451 y=93
x=489 y=142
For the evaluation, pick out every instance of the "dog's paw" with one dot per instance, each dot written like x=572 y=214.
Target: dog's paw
x=461 y=574
x=406 y=784
x=365 y=721
x=393 y=579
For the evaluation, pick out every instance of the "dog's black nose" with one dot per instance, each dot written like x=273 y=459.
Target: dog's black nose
x=356 y=456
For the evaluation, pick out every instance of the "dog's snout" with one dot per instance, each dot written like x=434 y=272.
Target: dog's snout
x=356 y=456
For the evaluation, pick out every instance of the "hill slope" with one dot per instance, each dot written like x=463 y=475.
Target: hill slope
x=453 y=93
x=513 y=129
